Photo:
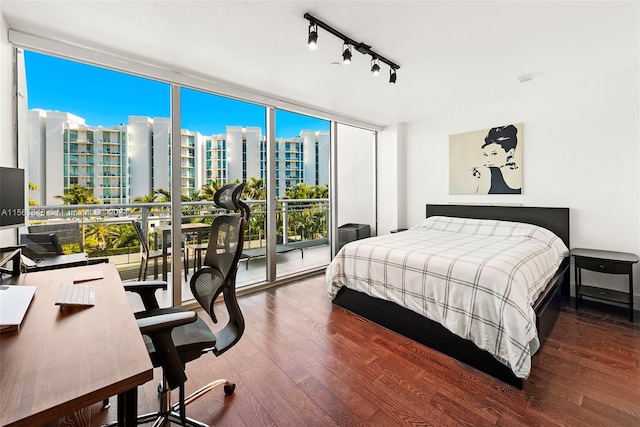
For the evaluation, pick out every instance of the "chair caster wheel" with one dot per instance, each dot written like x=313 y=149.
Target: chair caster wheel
x=229 y=388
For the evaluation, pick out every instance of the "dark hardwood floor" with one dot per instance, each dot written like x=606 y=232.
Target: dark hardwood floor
x=304 y=362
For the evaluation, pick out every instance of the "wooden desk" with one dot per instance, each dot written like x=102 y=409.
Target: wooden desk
x=61 y=361
x=165 y=231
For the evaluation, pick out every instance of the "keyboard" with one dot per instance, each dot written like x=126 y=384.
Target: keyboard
x=76 y=296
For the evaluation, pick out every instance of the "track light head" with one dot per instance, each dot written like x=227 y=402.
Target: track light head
x=349 y=44
x=346 y=54
x=392 y=75
x=313 y=36
x=375 y=68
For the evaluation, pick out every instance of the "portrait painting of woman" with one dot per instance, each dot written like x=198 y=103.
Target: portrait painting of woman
x=486 y=161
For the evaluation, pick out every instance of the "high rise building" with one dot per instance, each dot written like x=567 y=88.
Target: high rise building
x=127 y=161
x=88 y=156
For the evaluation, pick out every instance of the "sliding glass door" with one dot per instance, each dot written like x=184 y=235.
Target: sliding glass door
x=223 y=141
x=302 y=192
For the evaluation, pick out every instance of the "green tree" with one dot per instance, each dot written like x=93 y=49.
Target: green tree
x=100 y=234
x=147 y=198
x=33 y=187
x=78 y=195
x=309 y=220
x=255 y=189
x=163 y=195
x=209 y=189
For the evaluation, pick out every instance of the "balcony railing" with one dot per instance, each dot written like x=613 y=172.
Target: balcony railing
x=298 y=220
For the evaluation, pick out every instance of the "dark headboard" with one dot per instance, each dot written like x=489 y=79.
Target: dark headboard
x=555 y=220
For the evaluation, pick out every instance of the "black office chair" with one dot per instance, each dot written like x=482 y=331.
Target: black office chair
x=227 y=197
x=174 y=336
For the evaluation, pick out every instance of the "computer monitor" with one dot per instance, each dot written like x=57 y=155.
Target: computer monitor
x=12 y=198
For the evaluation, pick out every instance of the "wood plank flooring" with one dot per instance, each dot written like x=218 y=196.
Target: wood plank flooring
x=304 y=362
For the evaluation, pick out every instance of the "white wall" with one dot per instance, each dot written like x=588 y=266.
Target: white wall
x=356 y=198
x=7 y=147
x=7 y=155
x=580 y=150
x=391 y=184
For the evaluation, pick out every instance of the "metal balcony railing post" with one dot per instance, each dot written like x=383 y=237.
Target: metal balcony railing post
x=285 y=222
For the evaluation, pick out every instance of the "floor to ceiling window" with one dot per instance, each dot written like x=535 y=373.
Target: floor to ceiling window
x=98 y=149
x=302 y=192
x=101 y=142
x=224 y=142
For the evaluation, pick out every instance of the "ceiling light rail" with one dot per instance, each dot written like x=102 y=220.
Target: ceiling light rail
x=348 y=45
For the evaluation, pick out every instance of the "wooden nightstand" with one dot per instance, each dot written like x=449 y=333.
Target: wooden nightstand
x=604 y=262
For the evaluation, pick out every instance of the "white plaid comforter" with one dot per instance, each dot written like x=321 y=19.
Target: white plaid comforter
x=478 y=278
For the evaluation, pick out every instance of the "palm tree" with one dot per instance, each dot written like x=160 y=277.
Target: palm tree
x=147 y=198
x=310 y=223
x=122 y=236
x=78 y=195
x=192 y=210
x=209 y=189
x=163 y=196
x=100 y=232
x=33 y=187
x=255 y=189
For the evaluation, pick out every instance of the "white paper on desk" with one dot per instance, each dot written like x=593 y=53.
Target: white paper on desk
x=14 y=302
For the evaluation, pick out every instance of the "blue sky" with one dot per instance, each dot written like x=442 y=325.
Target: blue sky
x=106 y=98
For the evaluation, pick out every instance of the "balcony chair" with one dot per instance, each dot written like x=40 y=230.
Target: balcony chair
x=175 y=336
x=69 y=234
x=227 y=197
x=146 y=254
x=40 y=245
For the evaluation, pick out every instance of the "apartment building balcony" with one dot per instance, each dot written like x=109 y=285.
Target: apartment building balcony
x=311 y=242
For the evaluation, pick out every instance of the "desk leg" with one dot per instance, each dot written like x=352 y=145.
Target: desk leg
x=128 y=408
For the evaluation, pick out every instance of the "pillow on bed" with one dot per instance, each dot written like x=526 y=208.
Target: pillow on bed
x=492 y=227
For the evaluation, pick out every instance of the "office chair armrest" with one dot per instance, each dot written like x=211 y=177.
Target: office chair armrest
x=158 y=329
x=164 y=323
x=147 y=291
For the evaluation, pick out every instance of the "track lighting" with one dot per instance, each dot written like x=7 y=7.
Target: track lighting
x=348 y=44
x=375 y=68
x=346 y=54
x=313 y=36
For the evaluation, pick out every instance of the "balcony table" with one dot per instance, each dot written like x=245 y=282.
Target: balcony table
x=165 y=231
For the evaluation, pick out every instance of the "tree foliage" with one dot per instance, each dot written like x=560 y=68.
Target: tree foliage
x=79 y=195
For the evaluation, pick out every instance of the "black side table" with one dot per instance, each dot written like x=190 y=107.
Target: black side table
x=604 y=262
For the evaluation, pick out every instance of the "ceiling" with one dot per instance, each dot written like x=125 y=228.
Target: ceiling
x=452 y=55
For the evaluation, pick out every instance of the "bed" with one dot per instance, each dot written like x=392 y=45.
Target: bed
x=502 y=346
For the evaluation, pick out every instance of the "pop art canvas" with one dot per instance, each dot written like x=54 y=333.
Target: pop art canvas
x=487 y=161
